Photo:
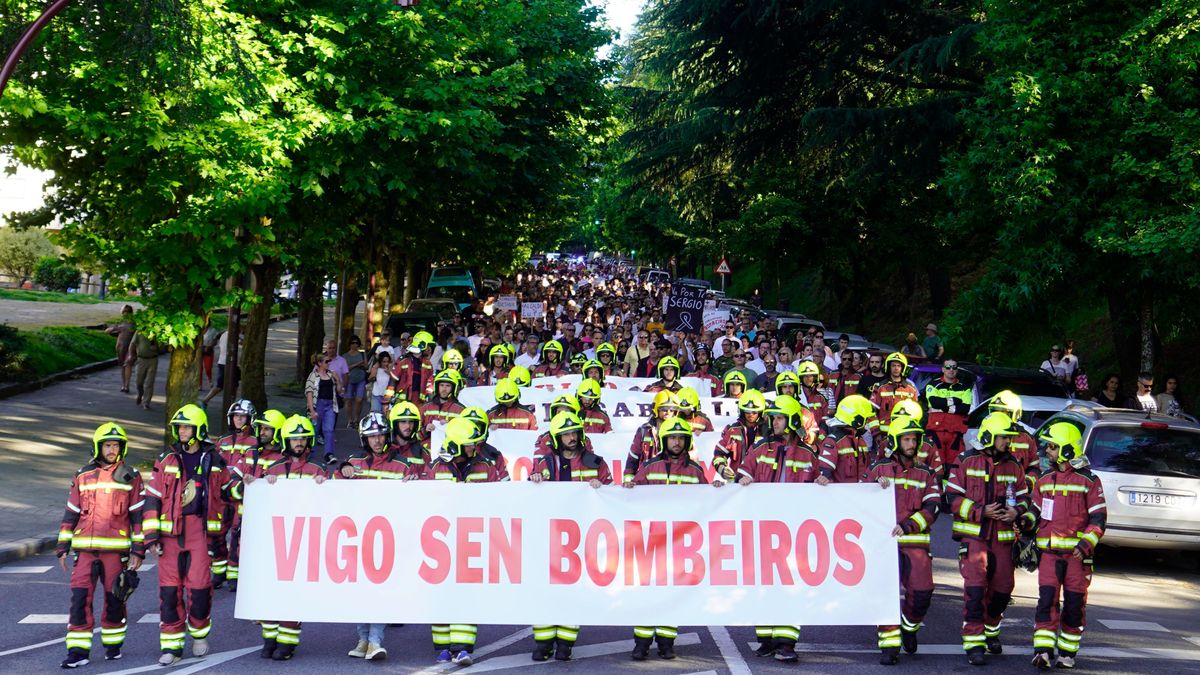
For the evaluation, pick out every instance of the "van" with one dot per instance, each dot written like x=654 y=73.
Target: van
x=454 y=282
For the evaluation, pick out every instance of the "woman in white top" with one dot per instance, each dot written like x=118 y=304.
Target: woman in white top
x=380 y=376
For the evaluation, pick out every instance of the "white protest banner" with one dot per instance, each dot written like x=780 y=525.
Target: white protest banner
x=532 y=310
x=507 y=303
x=714 y=319
x=379 y=551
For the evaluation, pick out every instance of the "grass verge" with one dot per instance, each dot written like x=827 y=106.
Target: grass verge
x=52 y=296
x=32 y=355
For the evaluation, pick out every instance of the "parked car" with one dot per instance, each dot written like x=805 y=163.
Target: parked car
x=443 y=307
x=1035 y=410
x=706 y=285
x=1149 y=465
x=987 y=381
x=454 y=282
x=412 y=322
x=654 y=276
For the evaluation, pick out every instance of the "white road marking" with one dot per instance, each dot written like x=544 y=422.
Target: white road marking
x=39 y=645
x=152 y=617
x=580 y=652
x=734 y=660
x=1023 y=650
x=1119 y=624
x=192 y=665
x=46 y=618
x=1194 y=640
x=26 y=570
x=483 y=651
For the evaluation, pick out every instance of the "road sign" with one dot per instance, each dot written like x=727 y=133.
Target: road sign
x=723 y=267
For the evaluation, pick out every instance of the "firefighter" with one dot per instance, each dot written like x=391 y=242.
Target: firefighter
x=1069 y=513
x=810 y=394
x=183 y=505
x=1022 y=446
x=508 y=413
x=739 y=437
x=521 y=376
x=377 y=461
x=785 y=455
x=595 y=420
x=734 y=384
x=845 y=381
x=689 y=409
x=280 y=638
x=463 y=459
x=702 y=362
x=578 y=360
x=895 y=388
x=787 y=383
x=102 y=525
x=927 y=454
x=500 y=360
x=593 y=370
x=948 y=399
x=987 y=492
x=232 y=447
x=561 y=403
x=443 y=404
x=844 y=451
x=668 y=376
x=452 y=359
x=917 y=500
x=645 y=440
x=551 y=364
x=404 y=421
x=267 y=450
x=569 y=461
x=671 y=465
x=606 y=354
x=413 y=371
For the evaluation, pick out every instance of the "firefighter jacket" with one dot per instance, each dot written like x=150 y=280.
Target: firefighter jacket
x=162 y=514
x=700 y=422
x=387 y=466
x=1025 y=450
x=413 y=453
x=844 y=384
x=715 y=386
x=413 y=375
x=595 y=421
x=550 y=369
x=1068 y=510
x=888 y=393
x=949 y=398
x=583 y=467
x=490 y=376
x=104 y=511
x=233 y=446
x=815 y=400
x=661 y=385
x=980 y=479
x=297 y=468
x=736 y=441
x=643 y=448
x=512 y=417
x=487 y=466
x=255 y=463
x=917 y=497
x=929 y=455
x=844 y=454
x=438 y=410
x=773 y=460
x=543 y=444
x=665 y=470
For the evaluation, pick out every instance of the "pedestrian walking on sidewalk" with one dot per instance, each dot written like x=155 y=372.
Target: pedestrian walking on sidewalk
x=124 y=331
x=146 y=352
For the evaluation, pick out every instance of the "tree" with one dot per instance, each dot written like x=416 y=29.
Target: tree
x=20 y=251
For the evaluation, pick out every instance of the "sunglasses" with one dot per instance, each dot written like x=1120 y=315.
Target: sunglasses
x=950 y=366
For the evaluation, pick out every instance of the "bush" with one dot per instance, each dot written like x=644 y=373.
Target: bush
x=57 y=274
x=13 y=362
x=20 y=251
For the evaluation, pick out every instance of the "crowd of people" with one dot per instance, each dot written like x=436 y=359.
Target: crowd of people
x=808 y=412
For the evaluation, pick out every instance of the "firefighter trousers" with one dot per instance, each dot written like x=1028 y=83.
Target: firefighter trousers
x=1061 y=626
x=92 y=569
x=916 y=584
x=184 y=586
x=987 y=572
x=546 y=633
x=777 y=635
x=457 y=637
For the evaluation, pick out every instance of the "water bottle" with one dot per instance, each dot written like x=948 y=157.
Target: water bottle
x=1010 y=497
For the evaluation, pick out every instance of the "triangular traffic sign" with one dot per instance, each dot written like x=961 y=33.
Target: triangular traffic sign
x=723 y=267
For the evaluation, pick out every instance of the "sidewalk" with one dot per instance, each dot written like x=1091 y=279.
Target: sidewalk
x=46 y=436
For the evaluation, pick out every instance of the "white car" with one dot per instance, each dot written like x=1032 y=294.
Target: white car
x=1034 y=411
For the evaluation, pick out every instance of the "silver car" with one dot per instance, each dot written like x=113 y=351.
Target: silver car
x=1149 y=465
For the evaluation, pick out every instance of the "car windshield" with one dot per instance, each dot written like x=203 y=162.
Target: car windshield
x=1025 y=386
x=459 y=294
x=1146 y=451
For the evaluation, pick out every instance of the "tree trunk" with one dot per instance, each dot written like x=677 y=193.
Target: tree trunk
x=1122 y=320
x=379 y=296
x=410 y=279
x=312 y=326
x=1146 y=327
x=258 y=322
x=347 y=305
x=939 y=291
x=183 y=376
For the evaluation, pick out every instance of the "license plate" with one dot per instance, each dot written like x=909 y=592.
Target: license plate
x=1157 y=499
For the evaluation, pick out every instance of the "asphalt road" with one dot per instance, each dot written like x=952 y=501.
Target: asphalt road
x=1141 y=618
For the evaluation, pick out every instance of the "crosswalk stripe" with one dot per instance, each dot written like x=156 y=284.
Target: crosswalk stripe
x=35 y=569
x=46 y=618
x=480 y=652
x=957 y=650
x=149 y=618
x=579 y=652
x=1119 y=624
x=1193 y=640
x=734 y=660
x=191 y=665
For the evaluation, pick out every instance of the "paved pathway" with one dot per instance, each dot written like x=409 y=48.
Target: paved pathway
x=27 y=315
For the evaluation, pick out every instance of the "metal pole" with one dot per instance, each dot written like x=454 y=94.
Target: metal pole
x=18 y=50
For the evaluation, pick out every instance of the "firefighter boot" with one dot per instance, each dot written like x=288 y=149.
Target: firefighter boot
x=542 y=649
x=75 y=659
x=562 y=649
x=766 y=647
x=666 y=647
x=890 y=656
x=641 y=648
x=283 y=652
x=908 y=640
x=1042 y=659
x=268 y=648
x=786 y=652
x=975 y=657
x=993 y=644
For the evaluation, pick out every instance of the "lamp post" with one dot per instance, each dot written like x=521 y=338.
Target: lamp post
x=18 y=50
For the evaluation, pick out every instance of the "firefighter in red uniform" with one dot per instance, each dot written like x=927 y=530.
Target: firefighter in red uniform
x=413 y=371
x=595 y=420
x=734 y=384
x=845 y=381
x=739 y=437
x=917 y=500
x=551 y=364
x=785 y=456
x=561 y=403
x=606 y=354
x=405 y=423
x=844 y=452
x=501 y=362
x=266 y=451
x=892 y=390
x=593 y=370
x=949 y=400
x=508 y=413
x=668 y=376
x=521 y=376
x=443 y=404
x=378 y=461
x=232 y=447
x=908 y=413
x=671 y=466
x=689 y=409
x=103 y=527
x=1068 y=510
x=280 y=638
x=463 y=459
x=810 y=394
x=987 y=493
x=569 y=461
x=1022 y=446
x=702 y=368
x=787 y=383
x=183 y=505
x=645 y=440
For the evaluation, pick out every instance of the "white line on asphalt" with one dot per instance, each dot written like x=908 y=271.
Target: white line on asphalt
x=580 y=652
x=39 y=645
x=152 y=617
x=191 y=665
x=704 y=672
x=1193 y=640
x=46 y=618
x=26 y=570
x=482 y=651
x=1119 y=624
x=957 y=650
x=734 y=660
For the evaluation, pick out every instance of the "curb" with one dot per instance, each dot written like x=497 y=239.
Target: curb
x=24 y=548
